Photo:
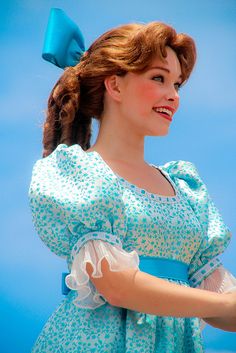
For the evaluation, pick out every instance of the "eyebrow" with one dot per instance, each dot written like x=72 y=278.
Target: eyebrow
x=161 y=68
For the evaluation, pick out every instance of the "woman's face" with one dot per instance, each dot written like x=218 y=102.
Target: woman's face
x=148 y=100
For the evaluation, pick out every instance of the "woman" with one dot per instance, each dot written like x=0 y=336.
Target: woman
x=141 y=241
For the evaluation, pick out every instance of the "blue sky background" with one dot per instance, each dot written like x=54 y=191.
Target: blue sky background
x=203 y=131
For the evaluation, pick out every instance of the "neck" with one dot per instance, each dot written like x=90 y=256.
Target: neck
x=115 y=142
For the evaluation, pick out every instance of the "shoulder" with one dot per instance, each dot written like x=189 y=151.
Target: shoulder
x=193 y=188
x=72 y=171
x=70 y=161
x=65 y=160
x=186 y=176
x=183 y=170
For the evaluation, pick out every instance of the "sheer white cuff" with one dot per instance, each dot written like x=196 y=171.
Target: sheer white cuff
x=220 y=281
x=93 y=252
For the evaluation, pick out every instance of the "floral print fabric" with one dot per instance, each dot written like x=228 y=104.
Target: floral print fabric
x=76 y=198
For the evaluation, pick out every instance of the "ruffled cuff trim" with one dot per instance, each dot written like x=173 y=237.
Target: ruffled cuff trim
x=204 y=272
x=93 y=252
x=220 y=281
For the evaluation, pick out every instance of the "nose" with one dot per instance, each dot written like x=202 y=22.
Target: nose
x=172 y=95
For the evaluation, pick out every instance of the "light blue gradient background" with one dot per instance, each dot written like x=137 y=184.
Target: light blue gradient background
x=203 y=131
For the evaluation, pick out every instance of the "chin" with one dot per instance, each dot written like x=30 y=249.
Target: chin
x=163 y=132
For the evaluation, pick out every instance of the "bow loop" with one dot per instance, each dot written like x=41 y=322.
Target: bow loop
x=64 y=42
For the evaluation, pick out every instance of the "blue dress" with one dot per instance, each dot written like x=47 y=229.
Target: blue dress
x=83 y=211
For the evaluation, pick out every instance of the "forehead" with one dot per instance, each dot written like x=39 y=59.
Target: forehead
x=171 y=62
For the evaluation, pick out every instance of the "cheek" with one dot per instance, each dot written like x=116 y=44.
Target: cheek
x=147 y=91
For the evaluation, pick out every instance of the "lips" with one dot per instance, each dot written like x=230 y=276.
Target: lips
x=163 y=115
x=165 y=111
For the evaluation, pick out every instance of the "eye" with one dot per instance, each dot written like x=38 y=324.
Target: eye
x=177 y=86
x=159 y=78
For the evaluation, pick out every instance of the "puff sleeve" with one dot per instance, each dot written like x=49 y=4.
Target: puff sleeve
x=79 y=214
x=215 y=234
x=206 y=271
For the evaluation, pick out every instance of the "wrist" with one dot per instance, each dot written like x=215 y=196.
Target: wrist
x=225 y=305
x=221 y=305
x=229 y=305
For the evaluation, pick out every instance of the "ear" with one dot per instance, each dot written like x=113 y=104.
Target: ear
x=112 y=84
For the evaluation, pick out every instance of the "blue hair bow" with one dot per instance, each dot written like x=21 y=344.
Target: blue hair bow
x=63 y=42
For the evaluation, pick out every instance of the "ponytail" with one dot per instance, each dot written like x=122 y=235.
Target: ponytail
x=65 y=123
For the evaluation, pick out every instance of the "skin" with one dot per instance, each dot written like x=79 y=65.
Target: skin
x=127 y=118
x=128 y=114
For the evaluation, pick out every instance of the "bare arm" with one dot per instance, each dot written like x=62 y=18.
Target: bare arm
x=223 y=323
x=139 y=291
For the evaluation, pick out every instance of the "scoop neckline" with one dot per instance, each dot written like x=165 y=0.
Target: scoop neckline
x=143 y=192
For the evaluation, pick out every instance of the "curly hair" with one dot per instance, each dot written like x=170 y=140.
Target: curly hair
x=78 y=95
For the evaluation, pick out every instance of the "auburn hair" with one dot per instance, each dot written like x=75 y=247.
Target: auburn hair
x=78 y=95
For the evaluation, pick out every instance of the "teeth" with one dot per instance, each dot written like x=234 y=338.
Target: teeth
x=163 y=110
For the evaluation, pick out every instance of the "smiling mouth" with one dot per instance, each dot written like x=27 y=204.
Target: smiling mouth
x=163 y=114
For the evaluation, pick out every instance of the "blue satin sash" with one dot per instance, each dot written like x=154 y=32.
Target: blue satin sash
x=155 y=266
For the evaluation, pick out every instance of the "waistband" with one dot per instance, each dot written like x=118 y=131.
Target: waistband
x=155 y=266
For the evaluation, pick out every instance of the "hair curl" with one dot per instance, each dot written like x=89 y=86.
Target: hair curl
x=77 y=97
